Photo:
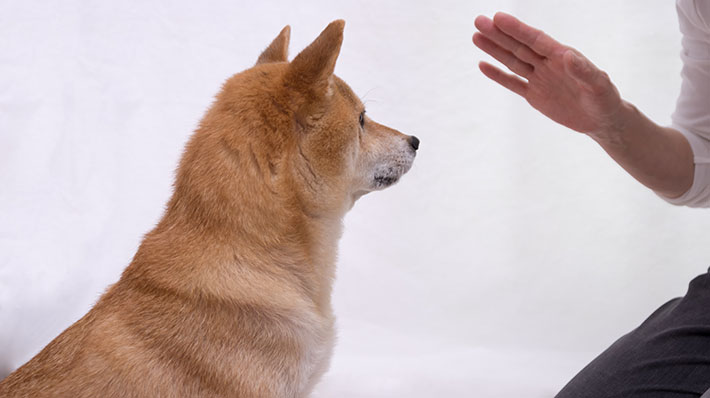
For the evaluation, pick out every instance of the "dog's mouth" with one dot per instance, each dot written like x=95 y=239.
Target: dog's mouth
x=387 y=176
x=384 y=181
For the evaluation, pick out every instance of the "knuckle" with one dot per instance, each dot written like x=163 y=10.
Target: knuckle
x=519 y=51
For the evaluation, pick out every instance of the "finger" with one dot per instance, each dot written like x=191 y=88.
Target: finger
x=486 y=26
x=586 y=72
x=505 y=57
x=536 y=39
x=511 y=82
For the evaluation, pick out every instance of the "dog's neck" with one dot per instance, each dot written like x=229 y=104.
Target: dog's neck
x=218 y=250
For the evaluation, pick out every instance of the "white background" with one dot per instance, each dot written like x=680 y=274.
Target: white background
x=512 y=253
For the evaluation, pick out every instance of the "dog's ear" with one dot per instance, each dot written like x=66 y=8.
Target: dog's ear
x=312 y=70
x=278 y=49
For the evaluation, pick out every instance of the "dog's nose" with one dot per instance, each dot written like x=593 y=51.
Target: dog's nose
x=414 y=142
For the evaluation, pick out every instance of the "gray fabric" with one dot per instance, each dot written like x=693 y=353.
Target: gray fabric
x=668 y=356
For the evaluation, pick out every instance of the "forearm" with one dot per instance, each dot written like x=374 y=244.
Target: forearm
x=658 y=157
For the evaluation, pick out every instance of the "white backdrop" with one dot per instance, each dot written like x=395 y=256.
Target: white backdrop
x=512 y=253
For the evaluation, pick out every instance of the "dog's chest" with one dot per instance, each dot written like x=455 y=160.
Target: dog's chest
x=318 y=350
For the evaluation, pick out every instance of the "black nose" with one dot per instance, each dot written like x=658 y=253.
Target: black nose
x=414 y=142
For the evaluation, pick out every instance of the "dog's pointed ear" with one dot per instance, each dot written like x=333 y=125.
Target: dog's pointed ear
x=278 y=49
x=313 y=67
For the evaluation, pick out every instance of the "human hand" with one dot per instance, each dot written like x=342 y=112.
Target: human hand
x=559 y=81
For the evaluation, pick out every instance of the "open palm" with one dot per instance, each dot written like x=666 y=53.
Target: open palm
x=555 y=79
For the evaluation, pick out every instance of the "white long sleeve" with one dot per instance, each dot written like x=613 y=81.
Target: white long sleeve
x=692 y=113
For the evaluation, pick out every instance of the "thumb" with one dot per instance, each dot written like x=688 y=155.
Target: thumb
x=584 y=71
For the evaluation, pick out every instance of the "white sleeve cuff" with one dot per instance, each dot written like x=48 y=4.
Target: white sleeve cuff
x=699 y=193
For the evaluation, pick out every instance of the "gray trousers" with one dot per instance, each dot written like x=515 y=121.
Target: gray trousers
x=667 y=356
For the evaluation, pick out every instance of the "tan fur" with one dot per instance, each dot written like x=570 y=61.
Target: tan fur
x=229 y=295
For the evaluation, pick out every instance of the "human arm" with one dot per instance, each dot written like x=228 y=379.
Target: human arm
x=562 y=84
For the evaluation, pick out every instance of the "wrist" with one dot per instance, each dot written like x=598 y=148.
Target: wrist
x=616 y=130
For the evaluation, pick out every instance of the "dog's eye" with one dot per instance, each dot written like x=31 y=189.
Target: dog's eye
x=362 y=119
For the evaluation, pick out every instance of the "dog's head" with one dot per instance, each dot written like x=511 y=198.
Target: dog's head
x=301 y=129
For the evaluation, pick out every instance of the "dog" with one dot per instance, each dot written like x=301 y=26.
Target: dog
x=229 y=295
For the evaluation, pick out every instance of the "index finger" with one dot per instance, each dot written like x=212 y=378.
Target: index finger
x=536 y=39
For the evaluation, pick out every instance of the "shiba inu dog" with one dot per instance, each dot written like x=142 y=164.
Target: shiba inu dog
x=229 y=295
